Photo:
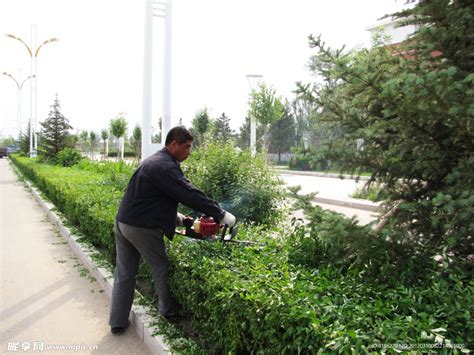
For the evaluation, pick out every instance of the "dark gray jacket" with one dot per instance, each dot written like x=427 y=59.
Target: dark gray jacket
x=153 y=194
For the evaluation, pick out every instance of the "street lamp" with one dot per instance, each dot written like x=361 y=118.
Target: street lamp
x=254 y=82
x=19 y=86
x=33 y=60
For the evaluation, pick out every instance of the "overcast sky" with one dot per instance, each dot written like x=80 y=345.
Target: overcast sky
x=97 y=66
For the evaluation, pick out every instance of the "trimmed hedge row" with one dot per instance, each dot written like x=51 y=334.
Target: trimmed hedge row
x=86 y=198
x=253 y=299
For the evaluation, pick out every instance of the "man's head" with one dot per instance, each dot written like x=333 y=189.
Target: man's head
x=178 y=142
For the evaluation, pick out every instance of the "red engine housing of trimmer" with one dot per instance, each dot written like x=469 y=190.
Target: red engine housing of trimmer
x=208 y=226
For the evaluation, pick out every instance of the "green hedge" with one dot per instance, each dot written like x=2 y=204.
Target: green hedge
x=260 y=300
x=126 y=154
x=254 y=300
x=84 y=197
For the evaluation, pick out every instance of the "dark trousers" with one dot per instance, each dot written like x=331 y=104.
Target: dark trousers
x=131 y=244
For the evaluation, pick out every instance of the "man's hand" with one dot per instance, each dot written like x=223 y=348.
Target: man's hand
x=182 y=220
x=229 y=219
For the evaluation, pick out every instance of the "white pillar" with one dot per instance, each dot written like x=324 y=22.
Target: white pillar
x=149 y=148
x=253 y=135
x=147 y=79
x=122 y=147
x=166 y=126
x=254 y=82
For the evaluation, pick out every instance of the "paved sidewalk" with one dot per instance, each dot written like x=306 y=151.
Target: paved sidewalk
x=47 y=297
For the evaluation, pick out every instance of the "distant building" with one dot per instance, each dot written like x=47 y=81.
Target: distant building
x=391 y=26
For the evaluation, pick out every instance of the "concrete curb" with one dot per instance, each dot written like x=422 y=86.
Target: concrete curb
x=365 y=206
x=139 y=315
x=319 y=174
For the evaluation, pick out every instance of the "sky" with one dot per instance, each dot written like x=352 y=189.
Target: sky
x=96 y=67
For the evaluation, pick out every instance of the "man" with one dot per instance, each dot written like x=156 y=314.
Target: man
x=147 y=212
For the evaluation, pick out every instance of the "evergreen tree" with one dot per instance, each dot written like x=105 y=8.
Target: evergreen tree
x=136 y=141
x=282 y=133
x=221 y=129
x=24 y=141
x=156 y=137
x=303 y=111
x=412 y=105
x=243 y=137
x=54 y=132
x=201 y=124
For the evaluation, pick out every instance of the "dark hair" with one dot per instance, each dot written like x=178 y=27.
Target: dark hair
x=180 y=134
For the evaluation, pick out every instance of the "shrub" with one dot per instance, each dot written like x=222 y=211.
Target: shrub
x=373 y=192
x=68 y=157
x=116 y=174
x=309 y=159
x=127 y=154
x=242 y=184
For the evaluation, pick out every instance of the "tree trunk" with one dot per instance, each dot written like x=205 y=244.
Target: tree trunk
x=266 y=142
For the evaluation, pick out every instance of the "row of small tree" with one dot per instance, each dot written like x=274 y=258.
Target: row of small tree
x=276 y=129
x=279 y=125
x=117 y=130
x=55 y=136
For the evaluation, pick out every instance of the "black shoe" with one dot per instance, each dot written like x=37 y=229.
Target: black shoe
x=173 y=318
x=119 y=330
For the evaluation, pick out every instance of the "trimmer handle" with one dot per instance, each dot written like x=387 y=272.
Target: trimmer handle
x=232 y=232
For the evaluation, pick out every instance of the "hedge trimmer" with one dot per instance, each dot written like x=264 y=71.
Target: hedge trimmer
x=206 y=228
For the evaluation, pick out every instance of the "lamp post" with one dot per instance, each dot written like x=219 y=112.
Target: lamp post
x=19 y=85
x=33 y=62
x=254 y=81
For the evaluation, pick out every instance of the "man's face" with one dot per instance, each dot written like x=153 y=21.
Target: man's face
x=180 y=152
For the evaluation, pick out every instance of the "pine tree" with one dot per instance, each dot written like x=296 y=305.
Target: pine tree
x=136 y=141
x=24 y=140
x=222 y=131
x=282 y=133
x=243 y=137
x=54 y=132
x=200 y=126
x=412 y=106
